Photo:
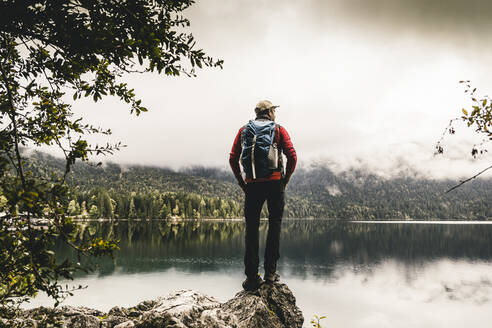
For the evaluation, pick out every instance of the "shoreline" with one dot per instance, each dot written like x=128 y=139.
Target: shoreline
x=427 y=221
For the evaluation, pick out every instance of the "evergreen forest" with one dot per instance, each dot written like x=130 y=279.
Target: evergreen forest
x=146 y=192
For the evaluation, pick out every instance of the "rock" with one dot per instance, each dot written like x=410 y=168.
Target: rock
x=281 y=301
x=83 y=321
x=146 y=305
x=179 y=309
x=134 y=313
x=112 y=321
x=126 y=324
x=271 y=306
x=118 y=311
x=69 y=311
x=217 y=318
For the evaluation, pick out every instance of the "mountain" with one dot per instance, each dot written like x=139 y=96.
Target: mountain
x=316 y=192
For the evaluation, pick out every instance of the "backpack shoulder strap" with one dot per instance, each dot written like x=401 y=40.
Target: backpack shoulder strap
x=276 y=139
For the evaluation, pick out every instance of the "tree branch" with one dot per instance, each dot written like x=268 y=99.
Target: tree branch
x=14 y=123
x=465 y=181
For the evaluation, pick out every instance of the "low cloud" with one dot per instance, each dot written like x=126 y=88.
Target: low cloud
x=412 y=160
x=361 y=84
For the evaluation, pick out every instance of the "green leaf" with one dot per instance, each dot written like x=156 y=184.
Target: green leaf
x=88 y=62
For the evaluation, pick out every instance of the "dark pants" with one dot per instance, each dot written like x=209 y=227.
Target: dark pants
x=256 y=194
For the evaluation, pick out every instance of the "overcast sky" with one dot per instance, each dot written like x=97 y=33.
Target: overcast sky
x=370 y=83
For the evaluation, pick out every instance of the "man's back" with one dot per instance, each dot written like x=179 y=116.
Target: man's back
x=284 y=145
x=268 y=186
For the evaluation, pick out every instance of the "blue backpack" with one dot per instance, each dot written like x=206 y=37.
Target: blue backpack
x=260 y=155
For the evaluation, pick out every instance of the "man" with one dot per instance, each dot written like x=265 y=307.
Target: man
x=263 y=182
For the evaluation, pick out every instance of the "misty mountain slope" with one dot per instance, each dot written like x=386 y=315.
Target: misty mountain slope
x=136 y=178
x=358 y=194
x=316 y=192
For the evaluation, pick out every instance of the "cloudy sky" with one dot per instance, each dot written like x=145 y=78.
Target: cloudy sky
x=370 y=83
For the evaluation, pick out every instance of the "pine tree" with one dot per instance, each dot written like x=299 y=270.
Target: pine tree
x=164 y=211
x=83 y=210
x=72 y=208
x=132 y=213
x=94 y=212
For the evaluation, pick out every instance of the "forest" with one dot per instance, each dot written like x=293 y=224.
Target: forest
x=146 y=192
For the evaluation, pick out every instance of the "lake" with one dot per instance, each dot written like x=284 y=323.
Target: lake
x=357 y=274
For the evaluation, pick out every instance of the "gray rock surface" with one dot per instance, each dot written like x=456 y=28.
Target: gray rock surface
x=271 y=306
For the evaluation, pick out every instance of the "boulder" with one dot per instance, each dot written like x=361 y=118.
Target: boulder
x=271 y=306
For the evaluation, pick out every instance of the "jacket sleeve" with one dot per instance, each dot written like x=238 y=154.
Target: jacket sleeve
x=234 y=156
x=289 y=151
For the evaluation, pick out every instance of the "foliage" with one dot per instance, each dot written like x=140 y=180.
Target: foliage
x=479 y=117
x=154 y=205
x=316 y=321
x=49 y=51
x=316 y=192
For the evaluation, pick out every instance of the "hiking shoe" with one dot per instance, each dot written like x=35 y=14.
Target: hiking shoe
x=251 y=284
x=272 y=277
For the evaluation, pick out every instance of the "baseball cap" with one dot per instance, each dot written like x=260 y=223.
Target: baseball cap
x=263 y=106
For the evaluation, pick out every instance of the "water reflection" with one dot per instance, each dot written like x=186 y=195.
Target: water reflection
x=358 y=274
x=308 y=247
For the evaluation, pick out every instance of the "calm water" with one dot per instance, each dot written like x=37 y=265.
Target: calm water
x=358 y=274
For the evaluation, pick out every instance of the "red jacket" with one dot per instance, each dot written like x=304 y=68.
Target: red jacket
x=286 y=146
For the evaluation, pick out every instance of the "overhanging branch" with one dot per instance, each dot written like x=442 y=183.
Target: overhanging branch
x=469 y=179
